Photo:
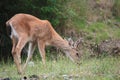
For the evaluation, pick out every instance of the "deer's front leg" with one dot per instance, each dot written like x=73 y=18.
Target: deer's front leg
x=41 y=47
x=30 y=53
x=17 y=53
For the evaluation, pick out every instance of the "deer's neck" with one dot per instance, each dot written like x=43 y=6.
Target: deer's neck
x=59 y=42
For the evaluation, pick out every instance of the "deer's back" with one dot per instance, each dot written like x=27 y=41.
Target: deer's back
x=31 y=26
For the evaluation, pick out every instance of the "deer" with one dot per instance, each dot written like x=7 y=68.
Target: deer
x=26 y=28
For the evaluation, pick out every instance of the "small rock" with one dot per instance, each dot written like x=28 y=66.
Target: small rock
x=31 y=64
x=5 y=79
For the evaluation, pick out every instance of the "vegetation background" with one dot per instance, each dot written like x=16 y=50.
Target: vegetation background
x=93 y=20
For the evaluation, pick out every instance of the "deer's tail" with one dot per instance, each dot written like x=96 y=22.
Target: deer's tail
x=8 y=28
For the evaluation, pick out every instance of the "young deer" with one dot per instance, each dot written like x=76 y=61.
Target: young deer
x=27 y=28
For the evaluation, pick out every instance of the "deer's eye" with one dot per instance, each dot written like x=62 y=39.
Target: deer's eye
x=77 y=54
x=24 y=77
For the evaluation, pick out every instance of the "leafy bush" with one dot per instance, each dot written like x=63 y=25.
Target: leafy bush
x=117 y=8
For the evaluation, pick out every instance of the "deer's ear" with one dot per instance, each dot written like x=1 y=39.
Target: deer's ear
x=76 y=43
x=70 y=42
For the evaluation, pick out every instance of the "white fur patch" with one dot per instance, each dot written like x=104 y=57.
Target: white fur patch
x=13 y=32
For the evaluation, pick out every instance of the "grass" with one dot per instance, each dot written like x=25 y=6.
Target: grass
x=104 y=68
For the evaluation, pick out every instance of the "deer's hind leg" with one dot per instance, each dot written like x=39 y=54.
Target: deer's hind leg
x=17 y=52
x=14 y=43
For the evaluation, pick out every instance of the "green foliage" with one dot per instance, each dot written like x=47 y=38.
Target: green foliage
x=76 y=11
x=77 y=8
x=96 y=32
x=117 y=8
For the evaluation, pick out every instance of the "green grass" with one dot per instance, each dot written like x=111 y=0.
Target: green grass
x=97 y=32
x=105 y=68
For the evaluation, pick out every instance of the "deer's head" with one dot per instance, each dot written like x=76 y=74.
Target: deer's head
x=73 y=52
